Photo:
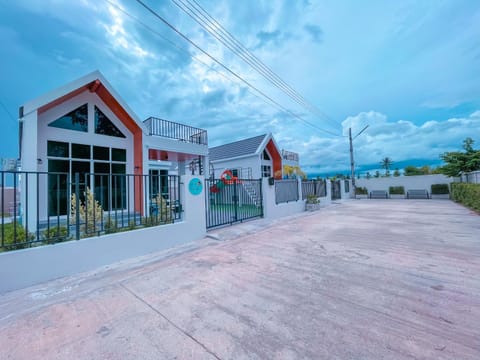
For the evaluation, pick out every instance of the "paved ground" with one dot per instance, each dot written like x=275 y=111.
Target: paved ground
x=358 y=280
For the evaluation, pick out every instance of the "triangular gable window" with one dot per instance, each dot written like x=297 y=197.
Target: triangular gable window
x=104 y=126
x=76 y=120
x=265 y=155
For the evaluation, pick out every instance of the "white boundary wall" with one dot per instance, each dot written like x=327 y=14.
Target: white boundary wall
x=472 y=177
x=271 y=210
x=420 y=182
x=22 y=268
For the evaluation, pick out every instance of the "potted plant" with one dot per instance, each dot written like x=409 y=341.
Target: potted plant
x=361 y=193
x=313 y=203
x=396 y=192
x=440 y=191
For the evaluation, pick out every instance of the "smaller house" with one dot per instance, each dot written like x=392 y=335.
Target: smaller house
x=251 y=158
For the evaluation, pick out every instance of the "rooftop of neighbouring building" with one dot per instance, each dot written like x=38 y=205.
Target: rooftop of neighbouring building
x=238 y=148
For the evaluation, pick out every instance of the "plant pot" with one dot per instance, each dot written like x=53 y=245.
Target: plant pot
x=440 y=196
x=361 y=196
x=397 y=196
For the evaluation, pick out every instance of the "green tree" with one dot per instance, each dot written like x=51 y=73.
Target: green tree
x=457 y=162
x=396 y=173
x=413 y=170
x=386 y=163
x=292 y=171
x=368 y=175
x=377 y=174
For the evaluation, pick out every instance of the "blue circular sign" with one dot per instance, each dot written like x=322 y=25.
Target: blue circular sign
x=195 y=186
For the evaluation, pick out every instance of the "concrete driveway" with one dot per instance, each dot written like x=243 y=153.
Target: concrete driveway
x=366 y=279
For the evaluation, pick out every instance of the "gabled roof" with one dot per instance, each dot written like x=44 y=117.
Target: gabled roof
x=94 y=82
x=242 y=148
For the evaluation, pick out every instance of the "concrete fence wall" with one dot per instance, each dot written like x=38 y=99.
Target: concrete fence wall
x=22 y=268
x=272 y=210
x=471 y=178
x=420 y=182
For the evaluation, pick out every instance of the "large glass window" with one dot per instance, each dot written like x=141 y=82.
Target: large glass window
x=104 y=126
x=101 y=153
x=57 y=149
x=80 y=151
x=57 y=186
x=109 y=183
x=76 y=120
x=119 y=154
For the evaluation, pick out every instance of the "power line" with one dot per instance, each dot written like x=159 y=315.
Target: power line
x=186 y=38
x=212 y=26
x=8 y=112
x=179 y=48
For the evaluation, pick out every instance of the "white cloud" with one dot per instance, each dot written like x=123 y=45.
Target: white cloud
x=399 y=140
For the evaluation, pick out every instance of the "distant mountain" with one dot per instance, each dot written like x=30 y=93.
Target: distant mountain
x=362 y=169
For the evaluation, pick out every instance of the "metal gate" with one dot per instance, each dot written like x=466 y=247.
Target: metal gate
x=336 y=192
x=232 y=200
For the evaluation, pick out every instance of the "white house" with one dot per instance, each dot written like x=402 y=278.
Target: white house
x=85 y=128
x=251 y=158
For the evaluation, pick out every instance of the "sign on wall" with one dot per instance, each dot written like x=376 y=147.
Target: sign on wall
x=195 y=186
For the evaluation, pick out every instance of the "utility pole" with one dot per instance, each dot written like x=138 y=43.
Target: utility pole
x=352 y=166
x=352 y=163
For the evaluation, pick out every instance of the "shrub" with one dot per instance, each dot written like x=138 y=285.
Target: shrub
x=55 y=234
x=312 y=199
x=361 y=191
x=467 y=194
x=90 y=211
x=13 y=236
x=440 y=189
x=396 y=190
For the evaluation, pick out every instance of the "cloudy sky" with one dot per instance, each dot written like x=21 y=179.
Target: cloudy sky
x=408 y=69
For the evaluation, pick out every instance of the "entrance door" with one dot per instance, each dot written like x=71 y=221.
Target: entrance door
x=336 y=191
x=232 y=200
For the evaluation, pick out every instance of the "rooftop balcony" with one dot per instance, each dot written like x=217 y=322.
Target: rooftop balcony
x=176 y=131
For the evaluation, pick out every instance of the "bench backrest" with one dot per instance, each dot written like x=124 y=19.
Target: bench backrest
x=418 y=192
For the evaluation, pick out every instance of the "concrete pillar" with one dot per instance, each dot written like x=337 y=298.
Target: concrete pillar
x=192 y=197
x=328 y=198
x=29 y=162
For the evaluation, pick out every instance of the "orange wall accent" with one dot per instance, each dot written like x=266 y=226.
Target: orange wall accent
x=276 y=159
x=138 y=168
x=62 y=99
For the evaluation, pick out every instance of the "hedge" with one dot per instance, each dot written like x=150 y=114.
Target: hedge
x=466 y=194
x=361 y=191
x=440 y=189
x=396 y=190
x=15 y=237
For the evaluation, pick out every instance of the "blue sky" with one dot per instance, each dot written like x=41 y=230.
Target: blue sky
x=408 y=69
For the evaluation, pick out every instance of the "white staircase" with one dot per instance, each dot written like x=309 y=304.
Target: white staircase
x=252 y=193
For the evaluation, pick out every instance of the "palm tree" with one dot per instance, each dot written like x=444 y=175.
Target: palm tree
x=385 y=164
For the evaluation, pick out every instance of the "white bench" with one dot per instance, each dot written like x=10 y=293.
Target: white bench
x=378 y=194
x=417 y=194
